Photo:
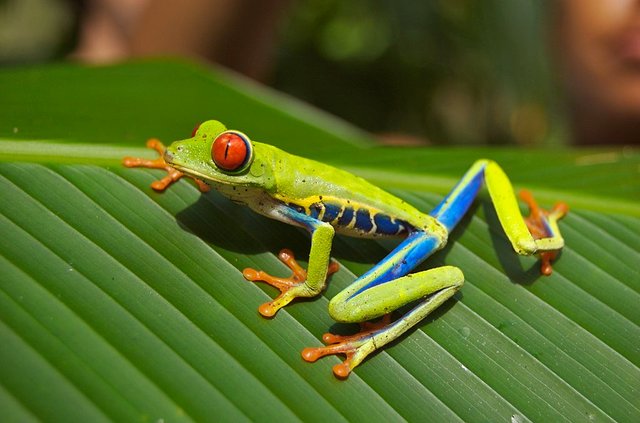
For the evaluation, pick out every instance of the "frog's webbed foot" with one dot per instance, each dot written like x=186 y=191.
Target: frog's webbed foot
x=290 y=288
x=173 y=174
x=356 y=347
x=541 y=223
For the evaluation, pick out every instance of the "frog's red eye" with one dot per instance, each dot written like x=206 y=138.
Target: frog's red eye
x=195 y=129
x=232 y=151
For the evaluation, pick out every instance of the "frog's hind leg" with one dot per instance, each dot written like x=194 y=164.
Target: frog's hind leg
x=537 y=234
x=437 y=284
x=382 y=290
x=543 y=224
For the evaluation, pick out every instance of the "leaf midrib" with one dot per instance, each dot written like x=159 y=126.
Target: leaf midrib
x=51 y=151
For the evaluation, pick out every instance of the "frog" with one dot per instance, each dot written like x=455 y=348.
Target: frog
x=324 y=201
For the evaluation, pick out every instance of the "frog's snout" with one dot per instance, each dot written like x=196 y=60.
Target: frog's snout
x=175 y=151
x=168 y=156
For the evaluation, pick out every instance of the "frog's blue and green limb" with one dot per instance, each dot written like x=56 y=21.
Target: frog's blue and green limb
x=325 y=200
x=388 y=286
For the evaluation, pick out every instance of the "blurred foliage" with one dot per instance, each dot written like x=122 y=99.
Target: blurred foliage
x=458 y=71
x=444 y=71
x=34 y=30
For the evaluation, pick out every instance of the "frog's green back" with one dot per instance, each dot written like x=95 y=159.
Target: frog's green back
x=304 y=182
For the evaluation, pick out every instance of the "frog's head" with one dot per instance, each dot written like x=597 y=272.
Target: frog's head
x=221 y=156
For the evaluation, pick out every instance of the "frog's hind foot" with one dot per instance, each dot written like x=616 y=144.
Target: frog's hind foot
x=290 y=288
x=355 y=347
x=173 y=174
x=541 y=224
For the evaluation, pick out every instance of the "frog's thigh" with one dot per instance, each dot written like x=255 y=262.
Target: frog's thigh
x=384 y=298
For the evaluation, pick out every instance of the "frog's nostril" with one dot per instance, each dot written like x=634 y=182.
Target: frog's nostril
x=168 y=156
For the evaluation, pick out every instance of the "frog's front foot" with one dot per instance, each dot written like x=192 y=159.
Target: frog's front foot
x=541 y=223
x=290 y=288
x=173 y=174
x=356 y=347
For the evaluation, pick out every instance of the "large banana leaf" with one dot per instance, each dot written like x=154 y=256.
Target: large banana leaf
x=118 y=303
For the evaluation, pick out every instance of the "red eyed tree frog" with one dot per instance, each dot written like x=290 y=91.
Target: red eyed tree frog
x=325 y=200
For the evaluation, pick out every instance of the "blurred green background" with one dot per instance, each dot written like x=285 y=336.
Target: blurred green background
x=436 y=72
x=458 y=71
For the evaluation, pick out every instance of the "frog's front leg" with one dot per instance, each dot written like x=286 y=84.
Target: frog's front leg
x=173 y=175
x=383 y=289
x=302 y=283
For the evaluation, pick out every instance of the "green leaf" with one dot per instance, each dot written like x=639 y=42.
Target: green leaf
x=119 y=303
